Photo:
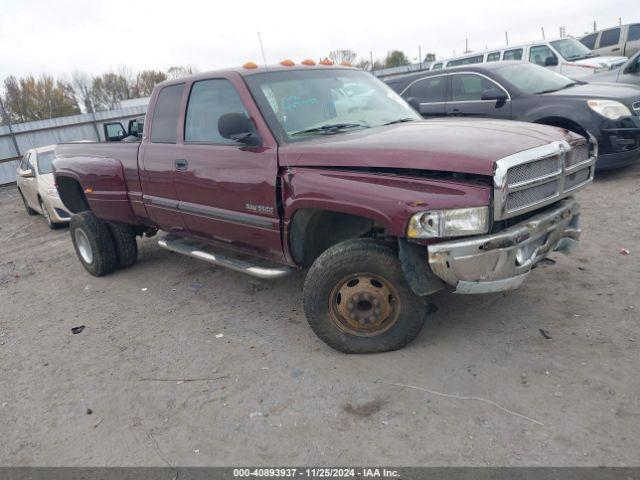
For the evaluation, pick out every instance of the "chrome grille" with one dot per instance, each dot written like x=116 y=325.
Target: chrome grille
x=527 y=171
x=540 y=176
x=531 y=196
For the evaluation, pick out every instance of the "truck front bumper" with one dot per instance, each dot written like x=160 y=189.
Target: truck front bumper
x=501 y=261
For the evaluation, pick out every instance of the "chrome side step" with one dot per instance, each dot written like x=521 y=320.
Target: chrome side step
x=197 y=250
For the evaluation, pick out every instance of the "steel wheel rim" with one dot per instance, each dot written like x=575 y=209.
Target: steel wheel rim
x=364 y=305
x=84 y=246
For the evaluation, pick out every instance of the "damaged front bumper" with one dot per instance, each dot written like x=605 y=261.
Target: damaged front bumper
x=501 y=261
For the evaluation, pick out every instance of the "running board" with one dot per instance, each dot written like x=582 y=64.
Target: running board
x=201 y=252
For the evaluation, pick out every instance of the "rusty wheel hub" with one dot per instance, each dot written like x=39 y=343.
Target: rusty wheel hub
x=364 y=304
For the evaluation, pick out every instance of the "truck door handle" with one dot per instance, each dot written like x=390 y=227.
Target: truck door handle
x=456 y=111
x=181 y=164
x=616 y=49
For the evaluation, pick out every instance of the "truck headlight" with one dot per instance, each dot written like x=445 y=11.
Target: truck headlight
x=609 y=108
x=53 y=192
x=456 y=222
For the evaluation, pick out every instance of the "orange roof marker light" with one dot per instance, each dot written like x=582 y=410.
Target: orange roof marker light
x=344 y=63
x=326 y=61
x=308 y=62
x=287 y=63
x=250 y=65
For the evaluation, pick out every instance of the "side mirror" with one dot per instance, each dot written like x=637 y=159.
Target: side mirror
x=26 y=173
x=494 y=94
x=551 y=61
x=114 y=132
x=414 y=102
x=238 y=127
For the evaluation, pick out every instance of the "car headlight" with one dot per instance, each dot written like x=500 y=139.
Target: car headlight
x=609 y=108
x=53 y=192
x=456 y=222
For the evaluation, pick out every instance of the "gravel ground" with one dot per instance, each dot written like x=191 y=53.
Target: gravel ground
x=184 y=364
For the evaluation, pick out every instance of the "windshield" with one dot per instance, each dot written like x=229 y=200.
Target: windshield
x=571 y=49
x=45 y=162
x=530 y=78
x=299 y=104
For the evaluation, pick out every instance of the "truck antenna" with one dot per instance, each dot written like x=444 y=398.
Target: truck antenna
x=264 y=58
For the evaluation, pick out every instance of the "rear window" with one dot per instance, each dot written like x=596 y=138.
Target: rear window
x=609 y=37
x=45 y=162
x=164 y=126
x=513 y=54
x=590 y=41
x=634 y=32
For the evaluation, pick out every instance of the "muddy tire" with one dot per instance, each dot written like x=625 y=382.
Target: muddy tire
x=357 y=300
x=93 y=243
x=124 y=240
x=30 y=211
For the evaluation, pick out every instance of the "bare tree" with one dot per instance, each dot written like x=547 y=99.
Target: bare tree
x=146 y=80
x=108 y=90
x=81 y=83
x=339 y=56
x=178 y=71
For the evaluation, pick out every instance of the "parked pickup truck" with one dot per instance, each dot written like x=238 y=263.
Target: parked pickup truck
x=326 y=167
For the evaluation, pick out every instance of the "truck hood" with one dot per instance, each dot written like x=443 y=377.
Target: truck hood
x=462 y=145
x=607 y=62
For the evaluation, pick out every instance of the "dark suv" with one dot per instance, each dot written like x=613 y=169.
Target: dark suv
x=530 y=93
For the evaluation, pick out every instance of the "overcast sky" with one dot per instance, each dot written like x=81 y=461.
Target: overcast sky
x=58 y=36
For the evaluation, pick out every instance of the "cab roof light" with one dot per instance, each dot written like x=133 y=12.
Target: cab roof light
x=308 y=62
x=287 y=63
x=250 y=65
x=326 y=61
x=344 y=63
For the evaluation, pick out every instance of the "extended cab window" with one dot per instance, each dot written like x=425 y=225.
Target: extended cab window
x=493 y=57
x=634 y=32
x=539 y=54
x=609 y=37
x=513 y=54
x=208 y=101
x=428 y=90
x=164 y=125
x=468 y=87
x=437 y=66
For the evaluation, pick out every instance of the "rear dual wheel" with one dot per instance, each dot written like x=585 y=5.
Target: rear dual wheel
x=357 y=299
x=102 y=247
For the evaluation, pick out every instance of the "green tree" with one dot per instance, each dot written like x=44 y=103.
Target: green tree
x=430 y=57
x=108 y=90
x=396 y=58
x=28 y=99
x=146 y=80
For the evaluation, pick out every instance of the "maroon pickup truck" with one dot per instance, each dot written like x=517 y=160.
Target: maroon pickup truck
x=270 y=170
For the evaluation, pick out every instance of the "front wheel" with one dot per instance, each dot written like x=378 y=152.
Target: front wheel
x=357 y=300
x=93 y=243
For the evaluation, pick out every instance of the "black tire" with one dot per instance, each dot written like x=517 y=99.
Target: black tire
x=124 y=239
x=47 y=217
x=30 y=211
x=88 y=232
x=365 y=260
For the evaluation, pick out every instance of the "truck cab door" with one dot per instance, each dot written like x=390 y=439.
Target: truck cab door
x=226 y=189
x=430 y=93
x=467 y=97
x=157 y=160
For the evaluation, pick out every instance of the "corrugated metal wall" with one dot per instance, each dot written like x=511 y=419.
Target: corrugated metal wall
x=55 y=130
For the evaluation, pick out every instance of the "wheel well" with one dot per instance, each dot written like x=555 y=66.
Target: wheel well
x=72 y=195
x=313 y=231
x=564 y=123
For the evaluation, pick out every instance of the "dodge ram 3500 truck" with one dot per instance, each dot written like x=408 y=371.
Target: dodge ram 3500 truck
x=325 y=167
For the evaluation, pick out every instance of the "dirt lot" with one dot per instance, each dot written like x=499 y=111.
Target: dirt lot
x=164 y=388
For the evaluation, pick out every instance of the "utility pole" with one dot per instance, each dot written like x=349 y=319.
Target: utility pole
x=619 y=21
x=506 y=36
x=466 y=45
x=8 y=122
x=543 y=37
x=594 y=26
x=371 y=57
x=420 y=56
